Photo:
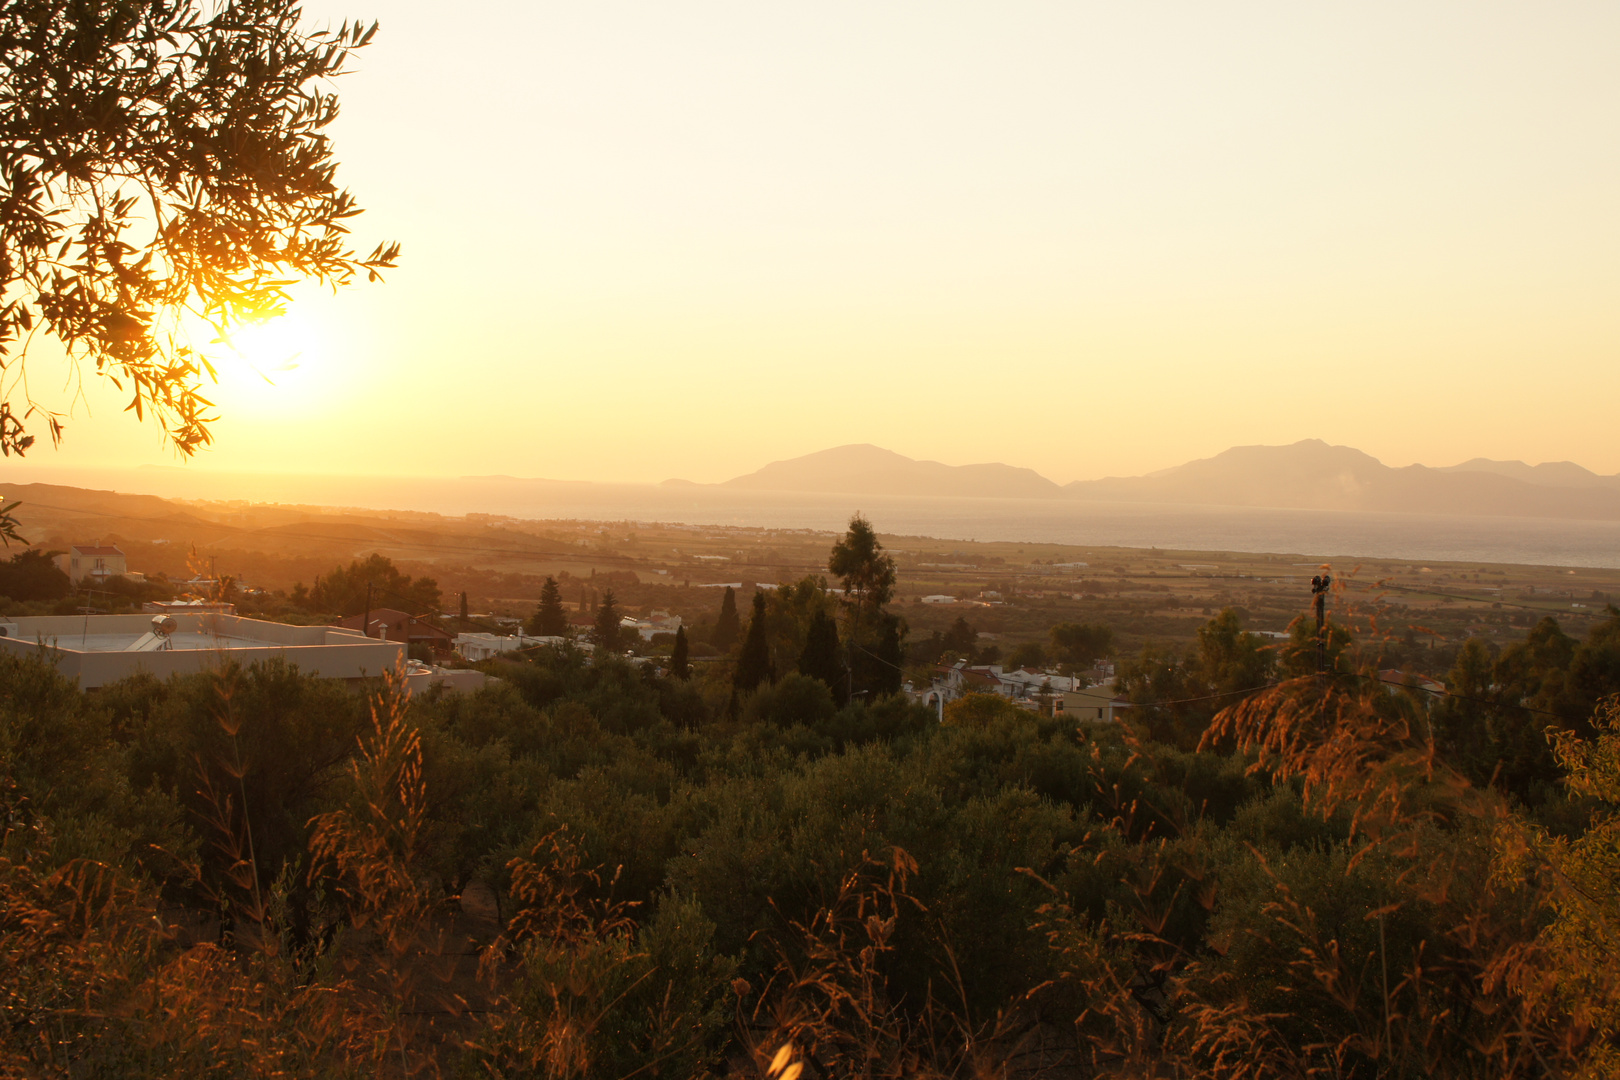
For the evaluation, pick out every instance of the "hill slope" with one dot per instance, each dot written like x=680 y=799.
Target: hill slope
x=863 y=469
x=1313 y=475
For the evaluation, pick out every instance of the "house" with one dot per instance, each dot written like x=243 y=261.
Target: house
x=183 y=607
x=92 y=562
x=1024 y=683
x=482 y=646
x=391 y=624
x=1394 y=681
x=94 y=650
x=1094 y=703
x=420 y=677
x=659 y=622
x=939 y=598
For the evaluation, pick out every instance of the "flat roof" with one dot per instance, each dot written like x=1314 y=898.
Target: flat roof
x=95 y=650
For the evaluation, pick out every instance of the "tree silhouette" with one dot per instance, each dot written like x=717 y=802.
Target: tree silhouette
x=607 y=623
x=160 y=161
x=754 y=662
x=867 y=573
x=822 y=659
x=678 y=666
x=727 y=626
x=549 y=619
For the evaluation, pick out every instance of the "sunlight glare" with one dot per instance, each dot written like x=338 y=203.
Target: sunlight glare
x=269 y=367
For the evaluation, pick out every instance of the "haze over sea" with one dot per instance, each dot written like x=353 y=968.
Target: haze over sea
x=1315 y=533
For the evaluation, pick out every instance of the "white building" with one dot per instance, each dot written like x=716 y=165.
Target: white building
x=188 y=607
x=92 y=562
x=659 y=622
x=94 y=650
x=483 y=646
x=1096 y=703
x=1020 y=684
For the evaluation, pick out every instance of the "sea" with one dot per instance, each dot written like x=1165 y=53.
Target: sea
x=1324 y=534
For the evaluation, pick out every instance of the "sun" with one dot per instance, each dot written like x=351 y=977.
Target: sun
x=268 y=367
x=267 y=349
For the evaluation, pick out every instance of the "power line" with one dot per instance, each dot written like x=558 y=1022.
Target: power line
x=1447 y=693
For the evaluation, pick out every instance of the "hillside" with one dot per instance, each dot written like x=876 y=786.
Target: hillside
x=1310 y=475
x=1315 y=476
x=863 y=469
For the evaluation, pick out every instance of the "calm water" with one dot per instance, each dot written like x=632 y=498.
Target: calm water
x=1304 y=532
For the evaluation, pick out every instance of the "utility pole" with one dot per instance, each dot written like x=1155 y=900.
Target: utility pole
x=1319 y=589
x=365 y=620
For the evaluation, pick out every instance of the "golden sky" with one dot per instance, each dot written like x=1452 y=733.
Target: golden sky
x=659 y=239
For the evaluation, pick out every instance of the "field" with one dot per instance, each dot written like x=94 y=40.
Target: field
x=1010 y=593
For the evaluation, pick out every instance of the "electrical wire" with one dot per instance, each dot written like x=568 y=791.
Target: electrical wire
x=1450 y=694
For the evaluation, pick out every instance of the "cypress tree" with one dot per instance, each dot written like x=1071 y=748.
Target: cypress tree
x=890 y=657
x=677 y=661
x=464 y=615
x=727 y=625
x=821 y=658
x=754 y=662
x=607 y=623
x=549 y=619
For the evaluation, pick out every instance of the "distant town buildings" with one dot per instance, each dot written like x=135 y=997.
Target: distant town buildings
x=391 y=624
x=485 y=646
x=659 y=622
x=1023 y=685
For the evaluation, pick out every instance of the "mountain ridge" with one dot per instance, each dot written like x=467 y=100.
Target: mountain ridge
x=1309 y=474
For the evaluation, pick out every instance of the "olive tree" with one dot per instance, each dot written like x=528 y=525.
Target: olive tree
x=165 y=175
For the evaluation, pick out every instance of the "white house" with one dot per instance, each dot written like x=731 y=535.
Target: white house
x=94 y=650
x=483 y=646
x=659 y=622
x=92 y=562
x=1095 y=703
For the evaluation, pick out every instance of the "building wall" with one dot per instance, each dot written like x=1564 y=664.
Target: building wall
x=80 y=567
x=316 y=650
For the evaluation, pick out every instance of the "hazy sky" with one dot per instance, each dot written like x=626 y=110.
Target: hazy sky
x=666 y=238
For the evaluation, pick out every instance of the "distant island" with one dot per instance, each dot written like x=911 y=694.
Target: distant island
x=1310 y=474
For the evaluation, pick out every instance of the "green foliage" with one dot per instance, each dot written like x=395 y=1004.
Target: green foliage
x=859 y=882
x=867 y=573
x=678 y=665
x=979 y=710
x=607 y=631
x=961 y=639
x=33 y=575
x=727 y=626
x=344 y=589
x=877 y=658
x=822 y=658
x=160 y=159
x=1231 y=661
x=1031 y=654
x=549 y=618
x=754 y=665
x=1081 y=644
x=794 y=699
